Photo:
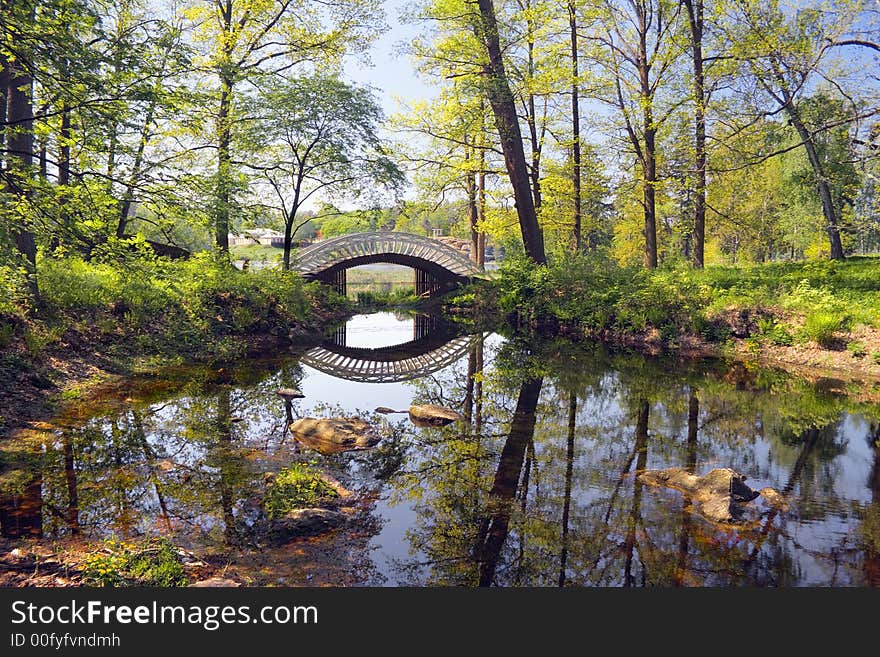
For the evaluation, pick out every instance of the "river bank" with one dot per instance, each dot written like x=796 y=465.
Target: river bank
x=170 y=477
x=814 y=319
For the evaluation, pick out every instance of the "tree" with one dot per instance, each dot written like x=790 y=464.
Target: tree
x=320 y=136
x=635 y=52
x=249 y=39
x=696 y=23
x=18 y=19
x=785 y=54
x=497 y=90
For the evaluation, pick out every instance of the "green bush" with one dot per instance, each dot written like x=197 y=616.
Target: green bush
x=296 y=487
x=148 y=563
x=822 y=327
x=773 y=332
x=857 y=349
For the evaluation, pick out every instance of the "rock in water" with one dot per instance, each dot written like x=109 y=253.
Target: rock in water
x=290 y=393
x=719 y=494
x=334 y=435
x=431 y=415
x=386 y=410
x=774 y=498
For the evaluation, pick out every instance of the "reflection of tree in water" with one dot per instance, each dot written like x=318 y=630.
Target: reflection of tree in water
x=191 y=464
x=581 y=517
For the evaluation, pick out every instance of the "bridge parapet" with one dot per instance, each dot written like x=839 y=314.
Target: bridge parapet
x=322 y=259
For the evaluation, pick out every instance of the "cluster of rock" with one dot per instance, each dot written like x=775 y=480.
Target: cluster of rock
x=720 y=495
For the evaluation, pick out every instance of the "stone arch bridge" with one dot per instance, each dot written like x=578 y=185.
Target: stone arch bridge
x=438 y=266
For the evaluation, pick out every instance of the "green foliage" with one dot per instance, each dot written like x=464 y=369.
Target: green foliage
x=601 y=296
x=153 y=562
x=822 y=327
x=200 y=303
x=857 y=349
x=773 y=332
x=295 y=487
x=394 y=299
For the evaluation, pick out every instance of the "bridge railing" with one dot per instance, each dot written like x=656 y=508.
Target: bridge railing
x=322 y=255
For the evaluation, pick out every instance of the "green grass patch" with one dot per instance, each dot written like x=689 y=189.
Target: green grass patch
x=296 y=487
x=822 y=327
x=118 y=563
x=775 y=303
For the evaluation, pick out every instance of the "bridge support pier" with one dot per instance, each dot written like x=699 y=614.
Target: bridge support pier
x=425 y=283
x=337 y=281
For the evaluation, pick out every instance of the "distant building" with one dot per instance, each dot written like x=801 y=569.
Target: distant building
x=264 y=236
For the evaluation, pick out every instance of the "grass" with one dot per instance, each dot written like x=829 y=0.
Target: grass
x=147 y=563
x=256 y=253
x=296 y=487
x=145 y=306
x=779 y=303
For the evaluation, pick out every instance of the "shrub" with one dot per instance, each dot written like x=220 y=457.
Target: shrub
x=822 y=327
x=773 y=332
x=149 y=563
x=296 y=487
x=857 y=349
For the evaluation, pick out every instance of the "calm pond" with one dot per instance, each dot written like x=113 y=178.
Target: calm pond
x=536 y=486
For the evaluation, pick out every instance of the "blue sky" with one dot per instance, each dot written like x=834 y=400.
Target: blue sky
x=391 y=73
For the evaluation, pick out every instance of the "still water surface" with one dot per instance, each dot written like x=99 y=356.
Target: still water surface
x=536 y=486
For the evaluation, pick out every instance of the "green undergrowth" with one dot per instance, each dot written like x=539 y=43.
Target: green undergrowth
x=296 y=487
x=779 y=303
x=145 y=307
x=152 y=562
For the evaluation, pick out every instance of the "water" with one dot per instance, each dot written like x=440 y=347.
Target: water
x=536 y=486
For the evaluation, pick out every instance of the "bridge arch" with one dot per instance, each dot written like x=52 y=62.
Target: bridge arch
x=394 y=364
x=437 y=265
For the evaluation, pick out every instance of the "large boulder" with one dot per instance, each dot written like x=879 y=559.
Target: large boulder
x=334 y=435
x=718 y=495
x=432 y=415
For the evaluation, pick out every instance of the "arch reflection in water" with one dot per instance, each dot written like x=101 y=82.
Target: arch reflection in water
x=434 y=346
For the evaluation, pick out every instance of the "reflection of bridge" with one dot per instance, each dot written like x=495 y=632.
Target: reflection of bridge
x=437 y=265
x=430 y=350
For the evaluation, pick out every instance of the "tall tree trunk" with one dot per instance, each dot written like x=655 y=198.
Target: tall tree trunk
x=569 y=472
x=575 y=127
x=503 y=493
x=20 y=140
x=649 y=160
x=470 y=184
x=4 y=97
x=531 y=114
x=224 y=167
x=64 y=135
x=649 y=189
x=128 y=197
x=504 y=108
x=695 y=19
x=481 y=208
x=829 y=211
